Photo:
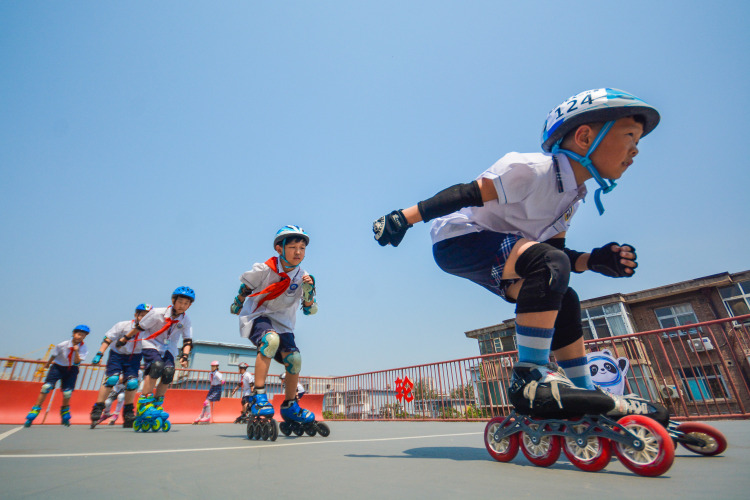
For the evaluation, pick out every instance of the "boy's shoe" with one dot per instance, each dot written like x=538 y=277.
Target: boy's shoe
x=260 y=407
x=545 y=391
x=632 y=404
x=296 y=414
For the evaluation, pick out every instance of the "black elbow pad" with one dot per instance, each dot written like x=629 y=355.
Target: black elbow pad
x=450 y=200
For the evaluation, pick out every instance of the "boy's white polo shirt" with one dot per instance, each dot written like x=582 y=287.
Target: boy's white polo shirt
x=282 y=311
x=247 y=380
x=533 y=202
x=120 y=330
x=154 y=320
x=62 y=351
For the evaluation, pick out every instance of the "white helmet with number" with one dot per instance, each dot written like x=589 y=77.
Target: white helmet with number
x=592 y=106
x=598 y=105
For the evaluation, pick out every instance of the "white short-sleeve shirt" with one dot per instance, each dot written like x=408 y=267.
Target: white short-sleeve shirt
x=247 y=380
x=282 y=311
x=537 y=198
x=61 y=352
x=154 y=320
x=120 y=330
x=216 y=378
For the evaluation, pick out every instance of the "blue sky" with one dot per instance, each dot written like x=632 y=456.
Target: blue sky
x=146 y=145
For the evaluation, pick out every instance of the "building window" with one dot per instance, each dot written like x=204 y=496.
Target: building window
x=736 y=299
x=678 y=315
x=234 y=358
x=605 y=321
x=704 y=383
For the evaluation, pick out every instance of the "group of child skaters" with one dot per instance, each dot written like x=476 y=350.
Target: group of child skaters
x=505 y=231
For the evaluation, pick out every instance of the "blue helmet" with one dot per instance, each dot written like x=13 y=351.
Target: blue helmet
x=82 y=328
x=143 y=307
x=289 y=231
x=591 y=106
x=184 y=291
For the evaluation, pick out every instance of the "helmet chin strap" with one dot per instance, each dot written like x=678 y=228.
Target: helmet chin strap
x=604 y=185
x=285 y=262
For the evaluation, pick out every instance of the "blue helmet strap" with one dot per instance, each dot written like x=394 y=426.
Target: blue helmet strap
x=285 y=262
x=604 y=185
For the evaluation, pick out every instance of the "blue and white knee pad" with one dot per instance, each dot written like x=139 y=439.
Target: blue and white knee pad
x=269 y=344
x=293 y=362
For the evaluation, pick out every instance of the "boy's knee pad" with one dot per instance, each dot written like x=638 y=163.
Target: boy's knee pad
x=131 y=384
x=46 y=388
x=546 y=272
x=156 y=369
x=568 y=327
x=167 y=374
x=269 y=344
x=68 y=393
x=293 y=362
x=111 y=381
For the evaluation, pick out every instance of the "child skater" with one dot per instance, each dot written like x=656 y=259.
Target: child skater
x=269 y=296
x=506 y=232
x=123 y=364
x=247 y=383
x=64 y=361
x=159 y=331
x=216 y=382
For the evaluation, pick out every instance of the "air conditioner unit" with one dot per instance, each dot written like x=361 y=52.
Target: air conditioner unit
x=669 y=392
x=506 y=362
x=701 y=344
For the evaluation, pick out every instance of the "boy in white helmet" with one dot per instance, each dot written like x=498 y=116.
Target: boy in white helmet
x=123 y=364
x=506 y=232
x=247 y=383
x=267 y=304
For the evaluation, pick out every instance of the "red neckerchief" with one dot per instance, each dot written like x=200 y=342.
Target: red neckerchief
x=168 y=323
x=274 y=289
x=70 y=353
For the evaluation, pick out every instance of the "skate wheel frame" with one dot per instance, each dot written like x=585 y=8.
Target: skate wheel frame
x=701 y=438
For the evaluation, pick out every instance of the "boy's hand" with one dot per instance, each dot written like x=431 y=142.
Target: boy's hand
x=614 y=260
x=390 y=228
x=97 y=358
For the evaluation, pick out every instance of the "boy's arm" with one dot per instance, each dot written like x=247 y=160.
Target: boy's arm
x=391 y=228
x=100 y=353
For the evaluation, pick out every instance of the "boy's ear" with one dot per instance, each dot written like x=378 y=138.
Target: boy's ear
x=584 y=136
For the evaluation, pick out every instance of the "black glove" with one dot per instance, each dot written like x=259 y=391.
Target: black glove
x=390 y=228
x=121 y=342
x=604 y=261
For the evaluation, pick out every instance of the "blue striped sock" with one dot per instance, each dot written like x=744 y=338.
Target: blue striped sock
x=533 y=344
x=578 y=372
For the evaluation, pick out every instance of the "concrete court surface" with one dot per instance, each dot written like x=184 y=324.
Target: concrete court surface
x=379 y=460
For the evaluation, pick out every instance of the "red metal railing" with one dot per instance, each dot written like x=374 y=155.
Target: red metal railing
x=698 y=371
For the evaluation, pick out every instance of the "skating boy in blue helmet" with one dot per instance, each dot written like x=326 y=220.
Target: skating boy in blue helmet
x=506 y=232
x=159 y=332
x=123 y=361
x=63 y=366
x=267 y=304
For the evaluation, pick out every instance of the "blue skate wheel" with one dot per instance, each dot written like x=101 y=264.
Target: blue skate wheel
x=156 y=425
x=166 y=426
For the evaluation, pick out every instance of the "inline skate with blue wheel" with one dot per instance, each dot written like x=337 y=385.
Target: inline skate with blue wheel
x=300 y=421
x=32 y=415
x=261 y=424
x=65 y=415
x=150 y=416
x=553 y=415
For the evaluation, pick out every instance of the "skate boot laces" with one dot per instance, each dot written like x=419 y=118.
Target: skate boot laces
x=549 y=374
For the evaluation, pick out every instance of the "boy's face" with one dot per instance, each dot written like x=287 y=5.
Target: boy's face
x=618 y=148
x=181 y=304
x=294 y=253
x=78 y=337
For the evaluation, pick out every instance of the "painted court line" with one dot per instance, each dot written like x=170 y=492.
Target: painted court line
x=8 y=433
x=226 y=448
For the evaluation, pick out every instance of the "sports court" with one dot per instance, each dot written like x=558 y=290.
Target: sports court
x=358 y=460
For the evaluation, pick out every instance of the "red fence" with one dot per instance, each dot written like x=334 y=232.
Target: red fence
x=698 y=371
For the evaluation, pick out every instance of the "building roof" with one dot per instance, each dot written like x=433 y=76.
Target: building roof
x=224 y=344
